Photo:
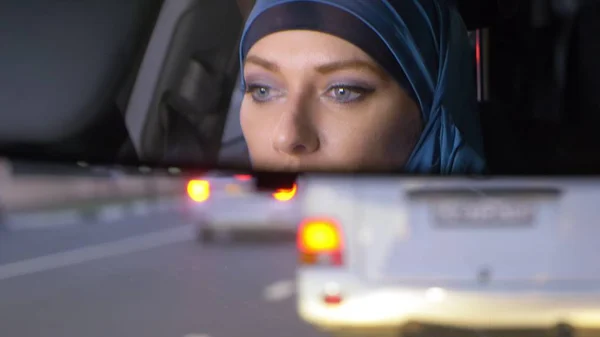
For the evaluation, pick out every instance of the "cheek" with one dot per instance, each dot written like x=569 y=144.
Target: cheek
x=397 y=135
x=352 y=141
x=254 y=127
x=246 y=121
x=401 y=133
x=381 y=135
x=341 y=141
x=366 y=146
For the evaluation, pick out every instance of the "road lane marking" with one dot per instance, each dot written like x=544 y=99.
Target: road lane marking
x=141 y=208
x=112 y=213
x=279 y=291
x=40 y=226
x=42 y=220
x=196 y=335
x=95 y=252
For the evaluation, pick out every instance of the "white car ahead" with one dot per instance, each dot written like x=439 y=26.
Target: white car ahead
x=402 y=254
x=228 y=207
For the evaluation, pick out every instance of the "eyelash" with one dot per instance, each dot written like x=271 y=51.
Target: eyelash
x=361 y=91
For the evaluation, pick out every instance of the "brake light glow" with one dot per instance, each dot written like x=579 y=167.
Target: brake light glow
x=320 y=236
x=285 y=194
x=478 y=49
x=332 y=299
x=320 y=241
x=243 y=177
x=198 y=190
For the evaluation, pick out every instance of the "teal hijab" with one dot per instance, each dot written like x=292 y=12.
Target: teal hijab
x=429 y=42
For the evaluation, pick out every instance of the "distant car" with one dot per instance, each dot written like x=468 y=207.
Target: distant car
x=227 y=207
x=454 y=254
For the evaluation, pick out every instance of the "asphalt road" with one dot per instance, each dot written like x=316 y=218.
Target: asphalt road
x=147 y=277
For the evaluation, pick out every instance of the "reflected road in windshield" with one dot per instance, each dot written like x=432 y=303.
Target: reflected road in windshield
x=143 y=276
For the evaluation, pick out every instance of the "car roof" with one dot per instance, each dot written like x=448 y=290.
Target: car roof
x=66 y=62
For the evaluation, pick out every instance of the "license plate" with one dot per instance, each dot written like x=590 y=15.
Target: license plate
x=483 y=212
x=234 y=189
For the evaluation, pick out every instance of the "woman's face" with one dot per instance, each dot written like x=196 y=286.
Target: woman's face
x=317 y=102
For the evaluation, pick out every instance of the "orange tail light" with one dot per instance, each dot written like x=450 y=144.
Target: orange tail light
x=285 y=194
x=198 y=190
x=320 y=241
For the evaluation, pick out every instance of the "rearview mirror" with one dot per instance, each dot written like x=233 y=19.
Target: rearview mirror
x=159 y=86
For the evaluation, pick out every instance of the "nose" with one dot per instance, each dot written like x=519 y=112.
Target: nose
x=295 y=133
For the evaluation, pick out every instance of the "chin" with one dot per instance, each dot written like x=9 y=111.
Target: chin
x=275 y=167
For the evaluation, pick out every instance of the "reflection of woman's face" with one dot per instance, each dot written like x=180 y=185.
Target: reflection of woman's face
x=316 y=102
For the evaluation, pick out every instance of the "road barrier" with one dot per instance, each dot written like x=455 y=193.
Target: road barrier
x=33 y=192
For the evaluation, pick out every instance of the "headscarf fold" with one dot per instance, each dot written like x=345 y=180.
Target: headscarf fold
x=431 y=57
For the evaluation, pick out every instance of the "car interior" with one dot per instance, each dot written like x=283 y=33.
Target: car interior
x=158 y=80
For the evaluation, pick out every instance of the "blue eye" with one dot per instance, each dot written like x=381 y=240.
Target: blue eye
x=260 y=93
x=347 y=94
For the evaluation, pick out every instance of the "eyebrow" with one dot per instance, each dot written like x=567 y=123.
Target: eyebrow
x=323 y=68
x=271 y=66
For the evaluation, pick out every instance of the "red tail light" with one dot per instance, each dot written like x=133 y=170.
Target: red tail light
x=285 y=194
x=478 y=49
x=320 y=242
x=332 y=299
x=243 y=177
x=198 y=190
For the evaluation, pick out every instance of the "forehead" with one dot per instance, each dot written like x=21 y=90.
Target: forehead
x=302 y=46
